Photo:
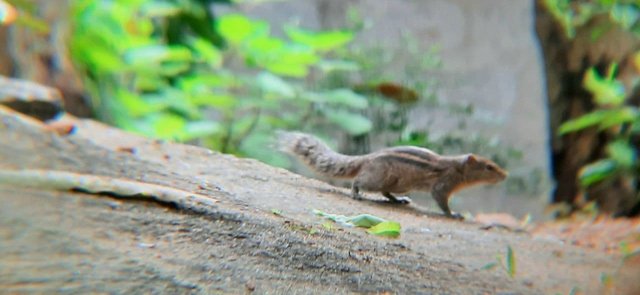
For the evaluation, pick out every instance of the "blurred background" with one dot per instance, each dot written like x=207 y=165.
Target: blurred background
x=546 y=88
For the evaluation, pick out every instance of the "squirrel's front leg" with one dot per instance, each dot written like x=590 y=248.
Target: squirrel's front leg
x=441 y=194
x=355 y=191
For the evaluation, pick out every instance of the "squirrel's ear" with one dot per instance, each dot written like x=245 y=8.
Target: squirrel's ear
x=471 y=159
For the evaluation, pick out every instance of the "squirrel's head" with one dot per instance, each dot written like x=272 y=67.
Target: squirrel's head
x=479 y=169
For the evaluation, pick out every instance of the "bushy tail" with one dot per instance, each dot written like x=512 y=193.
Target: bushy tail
x=318 y=155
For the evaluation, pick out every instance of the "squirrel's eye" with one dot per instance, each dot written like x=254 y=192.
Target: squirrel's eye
x=490 y=168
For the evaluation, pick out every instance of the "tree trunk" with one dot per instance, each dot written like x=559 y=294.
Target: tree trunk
x=566 y=61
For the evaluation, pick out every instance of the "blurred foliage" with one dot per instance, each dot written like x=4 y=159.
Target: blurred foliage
x=149 y=70
x=392 y=87
x=612 y=114
x=23 y=13
x=396 y=88
x=172 y=69
x=608 y=93
x=572 y=14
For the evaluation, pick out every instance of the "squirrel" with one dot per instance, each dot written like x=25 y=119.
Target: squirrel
x=395 y=170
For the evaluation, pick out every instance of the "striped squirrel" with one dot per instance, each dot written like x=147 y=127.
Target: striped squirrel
x=395 y=170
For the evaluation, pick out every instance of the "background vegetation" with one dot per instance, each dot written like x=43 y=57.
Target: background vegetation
x=151 y=68
x=174 y=69
x=596 y=103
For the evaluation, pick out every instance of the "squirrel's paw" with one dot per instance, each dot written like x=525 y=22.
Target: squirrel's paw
x=402 y=200
x=455 y=215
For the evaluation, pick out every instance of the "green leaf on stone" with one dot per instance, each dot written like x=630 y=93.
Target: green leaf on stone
x=386 y=229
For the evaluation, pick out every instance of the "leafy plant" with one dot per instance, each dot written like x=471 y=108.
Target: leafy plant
x=573 y=14
x=614 y=118
x=612 y=115
x=136 y=79
x=144 y=78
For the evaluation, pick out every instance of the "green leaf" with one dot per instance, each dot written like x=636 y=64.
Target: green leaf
x=625 y=14
x=386 y=229
x=606 y=92
x=221 y=101
x=622 y=152
x=298 y=54
x=236 y=28
x=376 y=225
x=603 y=118
x=178 y=53
x=354 y=124
x=150 y=82
x=362 y=220
x=511 y=262
x=321 y=41
x=202 y=82
x=199 y=129
x=585 y=121
x=154 y=54
x=337 y=65
x=365 y=220
x=171 y=69
x=617 y=117
x=597 y=171
x=344 y=97
x=98 y=59
x=282 y=59
x=561 y=11
x=136 y=106
x=294 y=70
x=206 y=51
x=635 y=127
x=160 y=9
x=272 y=84
x=165 y=126
x=612 y=70
x=178 y=102
x=264 y=46
x=490 y=265
x=208 y=90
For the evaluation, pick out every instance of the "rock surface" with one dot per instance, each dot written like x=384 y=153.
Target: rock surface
x=72 y=242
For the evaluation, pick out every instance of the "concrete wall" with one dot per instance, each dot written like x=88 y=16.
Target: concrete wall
x=490 y=58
